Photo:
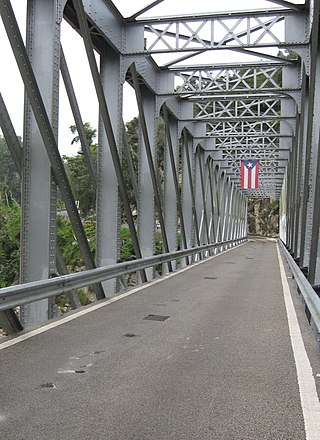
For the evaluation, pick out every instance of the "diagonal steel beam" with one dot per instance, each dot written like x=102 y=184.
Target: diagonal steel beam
x=193 y=199
x=8 y=318
x=293 y=6
x=178 y=60
x=147 y=145
x=38 y=108
x=261 y=55
x=16 y=151
x=10 y=135
x=108 y=126
x=10 y=322
x=77 y=116
x=203 y=194
x=175 y=179
x=212 y=204
x=145 y=9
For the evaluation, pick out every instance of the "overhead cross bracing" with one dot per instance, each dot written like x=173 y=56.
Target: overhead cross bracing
x=243 y=90
x=174 y=44
x=228 y=85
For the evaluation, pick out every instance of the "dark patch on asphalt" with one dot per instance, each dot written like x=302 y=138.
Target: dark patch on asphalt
x=47 y=385
x=156 y=318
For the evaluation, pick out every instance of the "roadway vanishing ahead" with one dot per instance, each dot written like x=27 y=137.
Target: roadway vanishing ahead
x=218 y=365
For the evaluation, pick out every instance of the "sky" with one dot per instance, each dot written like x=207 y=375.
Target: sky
x=11 y=85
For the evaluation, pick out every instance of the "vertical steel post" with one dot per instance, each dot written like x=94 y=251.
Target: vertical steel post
x=299 y=146
x=226 y=214
x=211 y=207
x=237 y=209
x=170 y=179
x=303 y=170
x=314 y=262
x=224 y=200
x=311 y=147
x=146 y=197
x=108 y=127
x=295 y=180
x=186 y=193
x=295 y=189
x=239 y=229
x=108 y=206
x=216 y=201
x=290 y=195
x=219 y=198
x=38 y=188
x=197 y=158
x=203 y=197
x=314 y=270
x=148 y=149
x=188 y=143
x=231 y=212
x=173 y=207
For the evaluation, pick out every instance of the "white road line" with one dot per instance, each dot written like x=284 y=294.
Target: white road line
x=308 y=393
x=101 y=304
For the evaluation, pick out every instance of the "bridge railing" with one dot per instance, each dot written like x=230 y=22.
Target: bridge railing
x=26 y=293
x=309 y=296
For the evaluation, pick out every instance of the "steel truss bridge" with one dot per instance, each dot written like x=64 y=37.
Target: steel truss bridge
x=215 y=114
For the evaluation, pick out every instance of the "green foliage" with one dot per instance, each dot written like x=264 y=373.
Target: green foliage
x=126 y=250
x=263 y=217
x=68 y=244
x=78 y=174
x=131 y=143
x=8 y=171
x=10 y=215
x=70 y=249
x=159 y=243
x=91 y=134
x=132 y=140
x=132 y=134
x=160 y=143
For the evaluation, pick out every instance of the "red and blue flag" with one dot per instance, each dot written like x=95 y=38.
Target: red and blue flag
x=249 y=174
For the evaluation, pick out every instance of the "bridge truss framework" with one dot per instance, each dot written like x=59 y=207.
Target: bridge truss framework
x=215 y=114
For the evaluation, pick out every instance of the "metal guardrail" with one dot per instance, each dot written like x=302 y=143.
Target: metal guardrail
x=21 y=294
x=311 y=299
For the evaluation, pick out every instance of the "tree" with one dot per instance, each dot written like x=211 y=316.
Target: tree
x=263 y=216
x=131 y=143
x=91 y=134
x=78 y=174
x=8 y=172
x=10 y=215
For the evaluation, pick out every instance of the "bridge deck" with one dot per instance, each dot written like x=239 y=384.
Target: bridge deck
x=220 y=367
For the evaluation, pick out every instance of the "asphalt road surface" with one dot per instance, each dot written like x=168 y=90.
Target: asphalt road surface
x=218 y=366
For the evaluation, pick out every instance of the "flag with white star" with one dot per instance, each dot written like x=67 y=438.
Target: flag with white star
x=249 y=174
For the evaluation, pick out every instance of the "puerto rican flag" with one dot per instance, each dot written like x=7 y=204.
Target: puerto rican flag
x=249 y=174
